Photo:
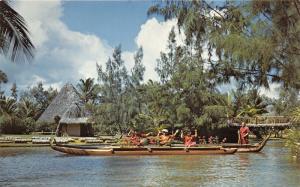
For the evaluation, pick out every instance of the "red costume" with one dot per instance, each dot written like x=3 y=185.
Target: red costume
x=135 y=139
x=244 y=135
x=190 y=141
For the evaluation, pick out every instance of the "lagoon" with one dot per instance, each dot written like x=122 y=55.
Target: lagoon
x=44 y=167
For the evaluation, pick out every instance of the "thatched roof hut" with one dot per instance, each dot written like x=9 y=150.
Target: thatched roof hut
x=73 y=115
x=75 y=122
x=60 y=104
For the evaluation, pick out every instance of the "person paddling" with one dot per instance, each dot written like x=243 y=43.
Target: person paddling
x=189 y=139
x=244 y=134
x=164 y=138
x=138 y=139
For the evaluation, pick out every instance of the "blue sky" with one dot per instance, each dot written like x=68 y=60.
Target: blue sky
x=117 y=22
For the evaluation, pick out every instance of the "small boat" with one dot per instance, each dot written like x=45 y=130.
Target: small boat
x=247 y=148
x=124 y=151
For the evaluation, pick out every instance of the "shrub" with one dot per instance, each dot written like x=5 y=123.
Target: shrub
x=45 y=127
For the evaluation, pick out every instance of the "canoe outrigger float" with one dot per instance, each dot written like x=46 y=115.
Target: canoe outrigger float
x=178 y=150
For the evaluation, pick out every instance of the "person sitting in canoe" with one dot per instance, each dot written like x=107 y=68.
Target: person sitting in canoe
x=211 y=140
x=202 y=140
x=189 y=139
x=224 y=140
x=164 y=138
x=244 y=134
x=138 y=139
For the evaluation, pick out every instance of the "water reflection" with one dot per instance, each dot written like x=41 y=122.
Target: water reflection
x=42 y=166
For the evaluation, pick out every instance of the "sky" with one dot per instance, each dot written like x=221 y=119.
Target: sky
x=71 y=37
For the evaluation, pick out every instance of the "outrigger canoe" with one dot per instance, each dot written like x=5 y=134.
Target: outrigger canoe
x=177 y=150
x=122 y=151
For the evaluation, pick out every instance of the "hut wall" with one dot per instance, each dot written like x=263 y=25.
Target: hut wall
x=71 y=129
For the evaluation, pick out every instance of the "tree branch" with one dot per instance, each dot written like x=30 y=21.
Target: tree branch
x=295 y=2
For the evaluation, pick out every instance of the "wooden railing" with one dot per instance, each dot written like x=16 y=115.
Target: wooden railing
x=262 y=121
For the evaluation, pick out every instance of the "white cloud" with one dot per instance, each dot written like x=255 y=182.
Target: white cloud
x=153 y=36
x=62 y=55
x=272 y=92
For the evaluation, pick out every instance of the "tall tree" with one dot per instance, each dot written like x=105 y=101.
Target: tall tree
x=135 y=91
x=39 y=96
x=167 y=63
x=114 y=82
x=14 y=38
x=14 y=91
x=288 y=100
x=3 y=79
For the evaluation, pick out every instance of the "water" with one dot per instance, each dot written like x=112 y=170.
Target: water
x=45 y=167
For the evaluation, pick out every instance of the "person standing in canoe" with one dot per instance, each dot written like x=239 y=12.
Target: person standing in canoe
x=189 y=139
x=244 y=134
x=164 y=138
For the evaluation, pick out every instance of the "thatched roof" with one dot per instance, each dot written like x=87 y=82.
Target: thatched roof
x=75 y=114
x=82 y=120
x=60 y=104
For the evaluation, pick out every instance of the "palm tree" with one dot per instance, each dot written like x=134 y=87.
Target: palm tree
x=14 y=39
x=87 y=90
x=255 y=105
x=28 y=109
x=8 y=108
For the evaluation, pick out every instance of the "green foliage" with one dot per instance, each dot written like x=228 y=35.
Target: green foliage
x=293 y=135
x=88 y=90
x=296 y=114
x=254 y=105
x=11 y=125
x=293 y=141
x=142 y=123
x=37 y=98
x=287 y=101
x=44 y=127
x=117 y=93
x=19 y=116
x=29 y=125
x=14 y=91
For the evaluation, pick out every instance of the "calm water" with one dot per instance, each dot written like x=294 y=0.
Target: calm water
x=44 y=167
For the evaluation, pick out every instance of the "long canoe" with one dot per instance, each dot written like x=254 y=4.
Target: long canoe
x=120 y=151
x=246 y=148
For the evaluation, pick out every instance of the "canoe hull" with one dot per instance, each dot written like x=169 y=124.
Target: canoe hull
x=249 y=148
x=143 y=151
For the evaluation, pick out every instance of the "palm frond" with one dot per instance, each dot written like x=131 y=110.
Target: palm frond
x=14 y=35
